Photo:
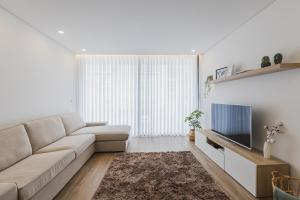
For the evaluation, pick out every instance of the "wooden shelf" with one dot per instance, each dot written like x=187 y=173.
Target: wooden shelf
x=259 y=71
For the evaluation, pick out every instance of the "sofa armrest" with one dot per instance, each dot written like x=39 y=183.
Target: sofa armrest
x=8 y=191
x=89 y=124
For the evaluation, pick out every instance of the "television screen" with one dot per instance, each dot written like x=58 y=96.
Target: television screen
x=233 y=122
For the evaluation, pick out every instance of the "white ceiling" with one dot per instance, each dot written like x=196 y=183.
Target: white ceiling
x=136 y=26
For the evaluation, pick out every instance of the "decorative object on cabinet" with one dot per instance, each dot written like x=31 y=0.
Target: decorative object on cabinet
x=272 y=131
x=265 y=61
x=278 y=58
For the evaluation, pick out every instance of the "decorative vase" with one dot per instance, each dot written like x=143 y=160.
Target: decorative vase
x=267 y=150
x=192 y=134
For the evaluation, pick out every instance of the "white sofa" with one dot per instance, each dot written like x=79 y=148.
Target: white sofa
x=37 y=158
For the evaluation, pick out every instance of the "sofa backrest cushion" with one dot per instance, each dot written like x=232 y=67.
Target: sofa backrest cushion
x=14 y=146
x=42 y=132
x=72 y=122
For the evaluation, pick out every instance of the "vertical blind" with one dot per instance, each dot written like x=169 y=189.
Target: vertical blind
x=151 y=93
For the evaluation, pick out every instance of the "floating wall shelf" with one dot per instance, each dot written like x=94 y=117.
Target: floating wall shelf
x=259 y=71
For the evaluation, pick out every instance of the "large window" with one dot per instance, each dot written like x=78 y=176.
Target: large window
x=150 y=93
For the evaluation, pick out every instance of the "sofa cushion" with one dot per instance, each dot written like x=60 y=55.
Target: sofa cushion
x=79 y=143
x=36 y=171
x=42 y=132
x=8 y=191
x=107 y=133
x=14 y=146
x=72 y=122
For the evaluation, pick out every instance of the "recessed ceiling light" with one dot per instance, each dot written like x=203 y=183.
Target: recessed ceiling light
x=60 y=31
x=83 y=50
x=193 y=51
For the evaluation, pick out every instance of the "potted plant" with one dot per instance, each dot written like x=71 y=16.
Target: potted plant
x=272 y=131
x=193 y=121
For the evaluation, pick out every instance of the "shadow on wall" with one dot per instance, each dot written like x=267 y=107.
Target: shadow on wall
x=294 y=56
x=258 y=118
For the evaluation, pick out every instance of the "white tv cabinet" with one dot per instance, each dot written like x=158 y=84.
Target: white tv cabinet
x=247 y=167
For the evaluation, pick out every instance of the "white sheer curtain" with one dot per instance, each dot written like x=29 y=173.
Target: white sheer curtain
x=108 y=89
x=153 y=94
x=168 y=92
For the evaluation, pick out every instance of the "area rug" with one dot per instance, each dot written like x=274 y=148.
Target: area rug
x=155 y=176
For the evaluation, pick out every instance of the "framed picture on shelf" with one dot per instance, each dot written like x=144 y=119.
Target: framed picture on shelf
x=221 y=73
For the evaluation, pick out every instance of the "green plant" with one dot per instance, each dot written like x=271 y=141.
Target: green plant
x=265 y=61
x=278 y=58
x=193 y=119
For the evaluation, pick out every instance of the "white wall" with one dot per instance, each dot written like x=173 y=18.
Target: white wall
x=37 y=76
x=275 y=97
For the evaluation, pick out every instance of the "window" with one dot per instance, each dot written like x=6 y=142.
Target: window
x=151 y=93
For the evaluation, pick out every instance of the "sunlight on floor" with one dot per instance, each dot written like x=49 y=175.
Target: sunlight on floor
x=158 y=144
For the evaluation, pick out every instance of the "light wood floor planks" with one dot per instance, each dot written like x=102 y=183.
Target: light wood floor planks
x=84 y=184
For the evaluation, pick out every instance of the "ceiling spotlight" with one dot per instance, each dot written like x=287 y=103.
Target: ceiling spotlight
x=83 y=50
x=61 y=32
x=193 y=51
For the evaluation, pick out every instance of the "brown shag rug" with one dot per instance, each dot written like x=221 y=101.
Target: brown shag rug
x=170 y=176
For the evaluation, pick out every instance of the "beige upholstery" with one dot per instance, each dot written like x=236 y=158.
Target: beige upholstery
x=111 y=146
x=36 y=171
x=8 y=191
x=9 y=125
x=56 y=158
x=56 y=184
x=79 y=143
x=96 y=123
x=44 y=131
x=72 y=122
x=106 y=133
x=14 y=146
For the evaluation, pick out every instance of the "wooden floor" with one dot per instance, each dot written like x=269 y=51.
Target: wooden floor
x=84 y=184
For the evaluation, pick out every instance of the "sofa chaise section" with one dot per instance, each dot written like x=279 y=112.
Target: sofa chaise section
x=109 y=138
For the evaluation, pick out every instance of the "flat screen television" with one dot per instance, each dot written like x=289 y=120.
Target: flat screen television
x=233 y=122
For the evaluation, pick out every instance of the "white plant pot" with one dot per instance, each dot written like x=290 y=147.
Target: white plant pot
x=267 y=150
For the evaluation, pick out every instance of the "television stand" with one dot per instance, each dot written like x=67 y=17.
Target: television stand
x=247 y=167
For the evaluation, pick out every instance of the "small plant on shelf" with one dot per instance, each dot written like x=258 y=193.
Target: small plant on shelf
x=265 y=61
x=194 y=122
x=278 y=58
